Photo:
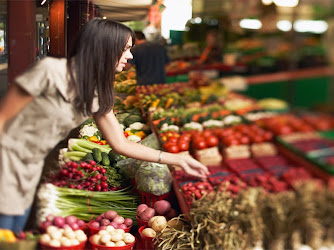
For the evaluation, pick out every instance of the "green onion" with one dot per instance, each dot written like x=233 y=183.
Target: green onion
x=86 y=146
x=83 y=204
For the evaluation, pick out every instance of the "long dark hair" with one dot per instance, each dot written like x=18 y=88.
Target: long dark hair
x=92 y=63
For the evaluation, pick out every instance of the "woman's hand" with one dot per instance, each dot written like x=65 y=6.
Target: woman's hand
x=193 y=167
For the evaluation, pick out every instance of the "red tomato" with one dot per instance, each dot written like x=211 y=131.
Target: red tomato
x=206 y=133
x=185 y=138
x=172 y=139
x=183 y=145
x=212 y=141
x=200 y=144
x=229 y=141
x=244 y=140
x=173 y=148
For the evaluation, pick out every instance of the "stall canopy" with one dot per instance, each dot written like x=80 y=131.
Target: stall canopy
x=124 y=10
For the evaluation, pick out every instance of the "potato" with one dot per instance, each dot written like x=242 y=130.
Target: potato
x=159 y=224
x=147 y=214
x=151 y=220
x=162 y=207
x=149 y=232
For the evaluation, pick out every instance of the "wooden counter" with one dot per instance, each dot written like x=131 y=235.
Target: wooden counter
x=291 y=75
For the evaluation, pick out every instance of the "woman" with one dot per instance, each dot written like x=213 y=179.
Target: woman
x=55 y=96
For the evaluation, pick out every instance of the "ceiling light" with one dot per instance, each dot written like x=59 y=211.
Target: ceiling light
x=312 y=26
x=253 y=24
x=43 y=2
x=198 y=20
x=267 y=2
x=104 y=17
x=286 y=3
x=284 y=25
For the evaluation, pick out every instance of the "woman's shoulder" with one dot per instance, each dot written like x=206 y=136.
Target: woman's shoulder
x=49 y=60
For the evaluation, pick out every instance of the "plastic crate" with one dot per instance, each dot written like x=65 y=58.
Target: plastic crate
x=151 y=199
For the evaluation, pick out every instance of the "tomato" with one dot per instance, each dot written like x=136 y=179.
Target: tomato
x=244 y=140
x=173 y=148
x=212 y=141
x=183 y=145
x=168 y=144
x=229 y=141
x=200 y=144
x=184 y=138
x=172 y=139
x=207 y=133
x=268 y=135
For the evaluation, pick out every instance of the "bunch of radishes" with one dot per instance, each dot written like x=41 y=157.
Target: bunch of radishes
x=58 y=237
x=61 y=222
x=161 y=207
x=110 y=218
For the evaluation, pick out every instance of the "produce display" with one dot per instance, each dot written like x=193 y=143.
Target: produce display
x=255 y=196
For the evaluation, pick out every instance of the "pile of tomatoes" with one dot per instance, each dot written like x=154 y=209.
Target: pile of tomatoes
x=174 y=142
x=195 y=190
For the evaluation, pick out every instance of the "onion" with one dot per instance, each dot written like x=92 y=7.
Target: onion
x=119 y=220
x=51 y=229
x=74 y=242
x=99 y=218
x=74 y=226
x=69 y=233
x=56 y=235
x=59 y=221
x=45 y=238
x=103 y=232
x=114 y=224
x=105 y=238
x=119 y=231
x=105 y=222
x=110 y=244
x=70 y=219
x=81 y=237
x=103 y=227
x=120 y=243
x=110 y=229
x=122 y=226
x=80 y=223
x=65 y=242
x=110 y=215
x=95 y=224
x=55 y=243
x=44 y=225
x=128 y=238
x=116 y=237
x=96 y=239
x=128 y=222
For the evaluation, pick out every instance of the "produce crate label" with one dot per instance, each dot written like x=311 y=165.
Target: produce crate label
x=237 y=151
x=263 y=149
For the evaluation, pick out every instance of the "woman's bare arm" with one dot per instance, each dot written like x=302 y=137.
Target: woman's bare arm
x=113 y=133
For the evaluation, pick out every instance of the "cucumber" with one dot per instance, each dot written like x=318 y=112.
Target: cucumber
x=88 y=157
x=97 y=154
x=105 y=159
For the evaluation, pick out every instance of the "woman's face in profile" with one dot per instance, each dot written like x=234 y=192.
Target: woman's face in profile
x=127 y=55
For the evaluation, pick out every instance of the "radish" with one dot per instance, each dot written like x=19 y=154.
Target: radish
x=50 y=217
x=105 y=222
x=95 y=224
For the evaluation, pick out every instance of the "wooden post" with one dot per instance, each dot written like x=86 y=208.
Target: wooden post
x=57 y=28
x=21 y=21
x=73 y=23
